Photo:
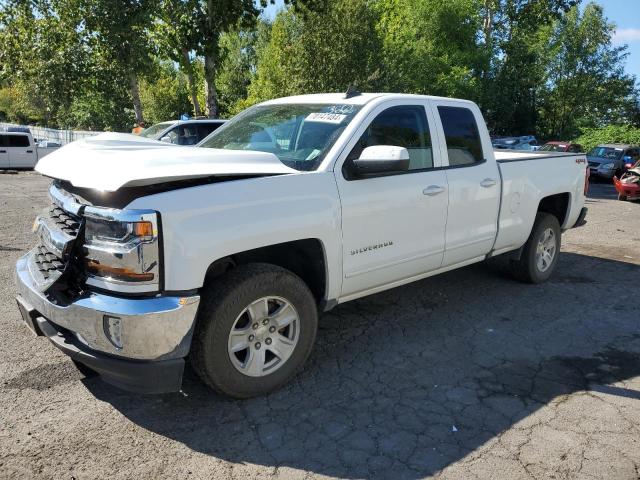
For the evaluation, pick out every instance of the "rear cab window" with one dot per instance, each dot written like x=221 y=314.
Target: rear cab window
x=462 y=137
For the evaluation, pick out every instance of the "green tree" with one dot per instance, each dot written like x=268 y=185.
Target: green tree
x=48 y=73
x=237 y=66
x=177 y=36
x=167 y=96
x=313 y=51
x=514 y=36
x=119 y=30
x=430 y=47
x=585 y=83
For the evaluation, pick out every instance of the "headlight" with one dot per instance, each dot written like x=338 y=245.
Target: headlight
x=607 y=166
x=122 y=250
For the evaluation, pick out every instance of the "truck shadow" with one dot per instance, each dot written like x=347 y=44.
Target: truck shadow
x=407 y=382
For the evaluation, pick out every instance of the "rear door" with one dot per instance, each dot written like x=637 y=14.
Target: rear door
x=21 y=153
x=473 y=179
x=4 y=153
x=392 y=226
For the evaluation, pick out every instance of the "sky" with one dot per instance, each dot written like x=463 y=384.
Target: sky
x=625 y=14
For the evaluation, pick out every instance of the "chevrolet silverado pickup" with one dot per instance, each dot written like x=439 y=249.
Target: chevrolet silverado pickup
x=226 y=253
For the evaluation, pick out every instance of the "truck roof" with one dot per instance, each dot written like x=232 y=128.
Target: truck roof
x=357 y=99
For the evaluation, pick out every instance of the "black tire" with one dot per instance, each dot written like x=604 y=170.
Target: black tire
x=622 y=198
x=526 y=268
x=223 y=301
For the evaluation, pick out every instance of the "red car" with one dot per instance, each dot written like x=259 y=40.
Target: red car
x=561 y=147
x=628 y=185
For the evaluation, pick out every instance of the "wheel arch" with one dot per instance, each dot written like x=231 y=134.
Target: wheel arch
x=557 y=205
x=305 y=257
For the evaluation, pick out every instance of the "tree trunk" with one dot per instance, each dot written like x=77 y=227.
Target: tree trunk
x=193 y=91
x=209 y=80
x=135 y=95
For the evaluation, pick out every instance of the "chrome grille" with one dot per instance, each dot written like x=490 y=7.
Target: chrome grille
x=67 y=222
x=48 y=263
x=57 y=230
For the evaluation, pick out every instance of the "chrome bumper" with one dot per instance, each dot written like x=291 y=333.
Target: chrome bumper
x=156 y=328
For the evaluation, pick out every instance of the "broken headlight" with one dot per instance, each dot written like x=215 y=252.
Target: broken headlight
x=122 y=249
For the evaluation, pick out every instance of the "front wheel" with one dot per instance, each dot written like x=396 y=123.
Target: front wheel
x=255 y=330
x=540 y=253
x=622 y=198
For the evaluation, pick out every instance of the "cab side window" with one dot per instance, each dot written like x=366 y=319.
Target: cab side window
x=461 y=135
x=402 y=126
x=17 y=141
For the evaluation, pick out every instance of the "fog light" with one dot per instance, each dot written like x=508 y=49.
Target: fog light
x=113 y=330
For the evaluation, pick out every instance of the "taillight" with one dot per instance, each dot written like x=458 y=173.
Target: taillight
x=586 y=180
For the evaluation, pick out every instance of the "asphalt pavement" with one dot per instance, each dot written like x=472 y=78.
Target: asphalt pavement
x=465 y=375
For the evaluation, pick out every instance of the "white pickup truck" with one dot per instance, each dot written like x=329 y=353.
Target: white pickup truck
x=226 y=253
x=19 y=150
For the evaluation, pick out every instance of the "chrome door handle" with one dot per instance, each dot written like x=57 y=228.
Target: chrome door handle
x=432 y=190
x=487 y=183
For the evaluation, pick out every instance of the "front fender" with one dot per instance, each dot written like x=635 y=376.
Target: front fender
x=205 y=223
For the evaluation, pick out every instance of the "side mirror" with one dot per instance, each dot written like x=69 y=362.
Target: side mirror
x=381 y=159
x=166 y=139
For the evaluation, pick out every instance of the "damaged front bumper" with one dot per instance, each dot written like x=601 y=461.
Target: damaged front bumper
x=628 y=186
x=138 y=344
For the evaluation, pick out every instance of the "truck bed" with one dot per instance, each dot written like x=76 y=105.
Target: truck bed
x=526 y=178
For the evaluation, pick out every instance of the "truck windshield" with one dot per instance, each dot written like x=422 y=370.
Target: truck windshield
x=155 y=130
x=299 y=135
x=605 y=152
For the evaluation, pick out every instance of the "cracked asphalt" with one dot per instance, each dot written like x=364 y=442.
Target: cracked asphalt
x=462 y=376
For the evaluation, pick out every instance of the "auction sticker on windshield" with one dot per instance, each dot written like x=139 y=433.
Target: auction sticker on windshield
x=325 y=117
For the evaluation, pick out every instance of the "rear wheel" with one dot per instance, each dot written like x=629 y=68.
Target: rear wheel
x=622 y=198
x=540 y=253
x=255 y=329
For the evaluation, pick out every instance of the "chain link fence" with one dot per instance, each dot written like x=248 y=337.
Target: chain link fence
x=61 y=136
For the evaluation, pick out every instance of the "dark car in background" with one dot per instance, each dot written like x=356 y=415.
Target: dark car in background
x=612 y=159
x=559 y=146
x=182 y=132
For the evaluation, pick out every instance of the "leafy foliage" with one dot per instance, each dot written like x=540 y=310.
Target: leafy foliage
x=592 y=137
x=542 y=67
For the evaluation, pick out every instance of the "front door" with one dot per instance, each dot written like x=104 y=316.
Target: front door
x=392 y=226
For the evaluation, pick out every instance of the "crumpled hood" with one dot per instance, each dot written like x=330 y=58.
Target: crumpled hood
x=110 y=161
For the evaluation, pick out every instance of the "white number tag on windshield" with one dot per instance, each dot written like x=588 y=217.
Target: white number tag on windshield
x=325 y=117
